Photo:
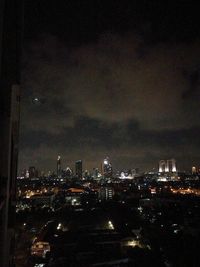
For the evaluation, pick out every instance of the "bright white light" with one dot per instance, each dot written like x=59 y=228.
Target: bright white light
x=125 y=176
x=59 y=226
x=174 y=169
x=110 y=225
x=162 y=179
x=36 y=101
x=105 y=162
x=140 y=209
x=132 y=243
x=74 y=202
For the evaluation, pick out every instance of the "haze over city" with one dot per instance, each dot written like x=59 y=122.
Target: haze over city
x=124 y=85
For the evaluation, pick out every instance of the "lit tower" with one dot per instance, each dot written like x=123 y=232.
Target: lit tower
x=59 y=167
x=161 y=165
x=173 y=162
x=107 y=168
x=167 y=165
x=194 y=170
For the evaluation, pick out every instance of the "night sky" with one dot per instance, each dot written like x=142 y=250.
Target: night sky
x=110 y=78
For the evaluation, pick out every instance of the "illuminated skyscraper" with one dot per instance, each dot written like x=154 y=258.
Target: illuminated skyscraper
x=10 y=43
x=59 y=171
x=78 y=169
x=162 y=166
x=194 y=170
x=106 y=193
x=167 y=165
x=107 y=168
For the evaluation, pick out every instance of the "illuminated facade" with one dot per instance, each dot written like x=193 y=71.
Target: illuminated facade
x=128 y=174
x=194 y=170
x=107 y=168
x=167 y=166
x=78 y=169
x=106 y=193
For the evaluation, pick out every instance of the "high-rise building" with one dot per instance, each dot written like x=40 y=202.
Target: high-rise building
x=167 y=165
x=68 y=172
x=78 y=169
x=59 y=171
x=106 y=193
x=107 y=168
x=96 y=174
x=194 y=170
x=10 y=46
x=32 y=172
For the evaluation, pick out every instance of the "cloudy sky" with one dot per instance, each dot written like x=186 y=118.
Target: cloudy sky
x=110 y=79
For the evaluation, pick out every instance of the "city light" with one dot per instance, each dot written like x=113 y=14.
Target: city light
x=40 y=249
x=59 y=226
x=102 y=168
x=110 y=225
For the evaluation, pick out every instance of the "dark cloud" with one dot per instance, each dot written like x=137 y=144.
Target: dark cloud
x=116 y=96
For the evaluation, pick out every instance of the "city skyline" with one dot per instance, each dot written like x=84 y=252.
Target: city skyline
x=106 y=165
x=124 y=85
x=106 y=171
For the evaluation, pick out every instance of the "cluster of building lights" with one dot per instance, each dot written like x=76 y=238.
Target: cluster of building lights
x=186 y=191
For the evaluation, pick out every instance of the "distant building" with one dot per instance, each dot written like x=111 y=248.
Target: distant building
x=27 y=174
x=78 y=169
x=73 y=196
x=106 y=193
x=194 y=170
x=135 y=172
x=42 y=199
x=107 y=168
x=96 y=175
x=167 y=166
x=126 y=174
x=59 y=173
x=129 y=174
x=32 y=172
x=68 y=172
x=86 y=174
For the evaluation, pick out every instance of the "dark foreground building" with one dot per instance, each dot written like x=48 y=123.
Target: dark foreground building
x=10 y=46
